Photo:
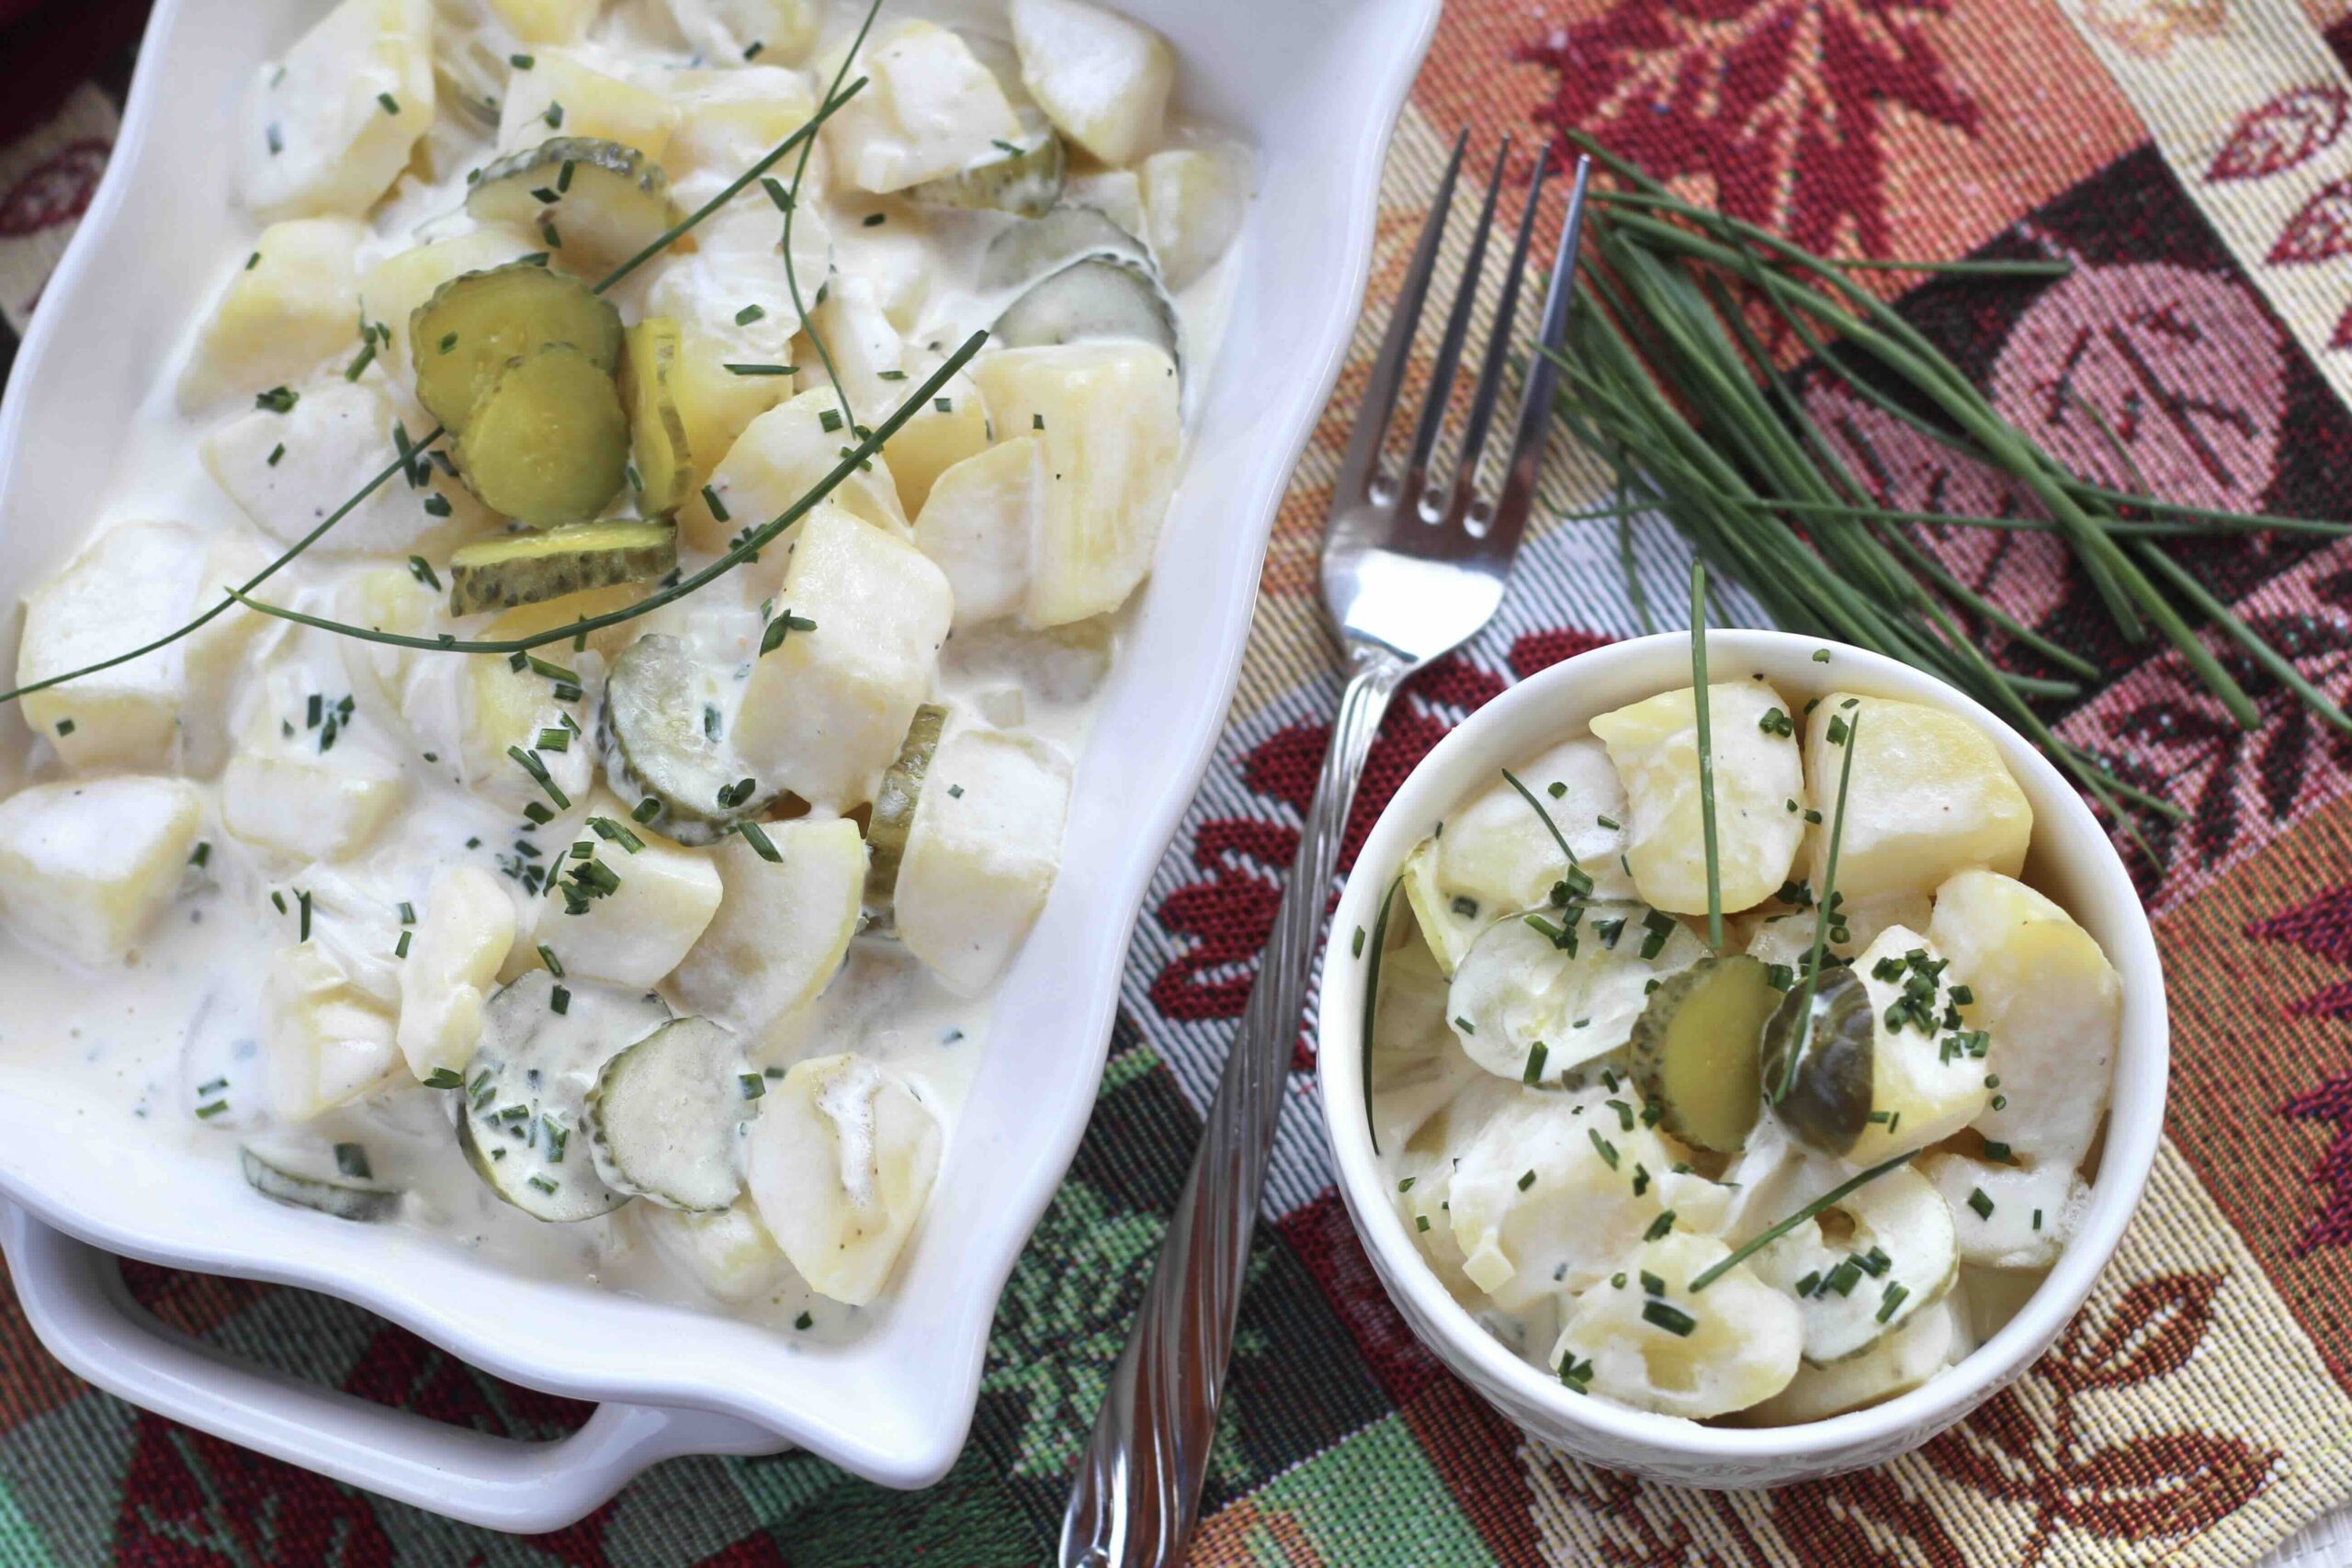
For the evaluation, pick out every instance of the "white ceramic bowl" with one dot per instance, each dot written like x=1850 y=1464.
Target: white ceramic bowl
x=1316 y=86
x=2071 y=860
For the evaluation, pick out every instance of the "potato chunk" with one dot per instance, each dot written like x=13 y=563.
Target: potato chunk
x=842 y=1156
x=1929 y=796
x=823 y=715
x=636 y=934
x=1925 y=1084
x=1654 y=745
x=461 y=940
x=952 y=428
x=1100 y=78
x=1522 y=1240
x=1672 y=1351
x=286 y=795
x=982 y=855
x=726 y=1251
x=133 y=583
x=289 y=311
x=326 y=1041
x=85 y=867
x=289 y=470
x=777 y=459
x=593 y=104
x=1924 y=1344
x=329 y=128
x=933 y=108
x=783 y=927
x=2006 y=1216
x=728 y=118
x=1497 y=857
x=547 y=21
x=976 y=523
x=2052 y=1005
x=1193 y=201
x=1108 y=416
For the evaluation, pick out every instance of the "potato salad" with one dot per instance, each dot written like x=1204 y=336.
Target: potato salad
x=1758 y=1091
x=656 y=495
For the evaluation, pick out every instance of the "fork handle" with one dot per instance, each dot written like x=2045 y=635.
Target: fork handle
x=1138 y=1485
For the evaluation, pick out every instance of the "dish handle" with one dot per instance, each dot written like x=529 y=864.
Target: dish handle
x=73 y=1296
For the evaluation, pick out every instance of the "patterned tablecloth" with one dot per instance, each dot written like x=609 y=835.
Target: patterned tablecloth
x=2192 y=158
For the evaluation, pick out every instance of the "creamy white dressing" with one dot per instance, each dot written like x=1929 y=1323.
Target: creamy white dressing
x=134 y=1050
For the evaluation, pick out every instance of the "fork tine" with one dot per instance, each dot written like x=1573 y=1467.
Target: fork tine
x=1490 y=374
x=1535 y=397
x=1362 y=457
x=1449 y=348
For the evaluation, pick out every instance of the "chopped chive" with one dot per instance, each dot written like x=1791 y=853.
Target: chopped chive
x=278 y=400
x=443 y=1078
x=1526 y=1180
x=1893 y=1298
x=208 y=1112
x=762 y=845
x=520 y=61
x=560 y=999
x=1607 y=1150
x=391 y=104
x=1533 y=1073
x=538 y=770
x=303 y=898
x=1660 y=1227
x=1666 y=1315
x=1980 y=1203
x=735 y=368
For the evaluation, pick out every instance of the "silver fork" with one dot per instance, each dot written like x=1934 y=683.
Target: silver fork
x=1411 y=567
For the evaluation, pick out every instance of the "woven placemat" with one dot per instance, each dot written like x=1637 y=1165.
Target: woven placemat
x=2191 y=157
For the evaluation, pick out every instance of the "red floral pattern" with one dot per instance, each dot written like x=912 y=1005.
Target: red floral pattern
x=1777 y=102
x=2291 y=128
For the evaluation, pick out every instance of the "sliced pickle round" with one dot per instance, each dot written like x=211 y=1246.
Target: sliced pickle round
x=665 y=1120
x=547 y=444
x=1088 y=301
x=1039 y=247
x=595 y=202
x=463 y=337
x=1827 y=1102
x=543 y=1040
x=1695 y=1048
x=513 y=570
x=894 y=813
x=665 y=472
x=1024 y=179
x=661 y=736
x=275 y=1176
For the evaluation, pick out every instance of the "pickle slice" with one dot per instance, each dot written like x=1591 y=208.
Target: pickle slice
x=465 y=335
x=1828 y=1099
x=549 y=442
x=1025 y=181
x=526 y=1090
x=665 y=1120
x=1087 y=301
x=894 y=812
x=274 y=1176
x=1694 y=1049
x=1042 y=246
x=529 y=568
x=657 y=430
x=610 y=202
x=660 y=736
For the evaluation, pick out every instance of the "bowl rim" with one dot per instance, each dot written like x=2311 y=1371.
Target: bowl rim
x=2135 y=1126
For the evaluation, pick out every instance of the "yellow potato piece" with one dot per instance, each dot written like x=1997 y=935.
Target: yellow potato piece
x=1654 y=745
x=1930 y=795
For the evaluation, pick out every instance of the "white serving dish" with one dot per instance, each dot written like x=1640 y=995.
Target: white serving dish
x=2070 y=858
x=1316 y=86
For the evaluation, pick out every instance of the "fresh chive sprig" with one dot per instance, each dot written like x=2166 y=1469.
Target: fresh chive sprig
x=1819 y=1206
x=1702 y=711
x=1823 y=898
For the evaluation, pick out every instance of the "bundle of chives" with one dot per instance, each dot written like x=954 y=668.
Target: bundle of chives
x=1665 y=377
